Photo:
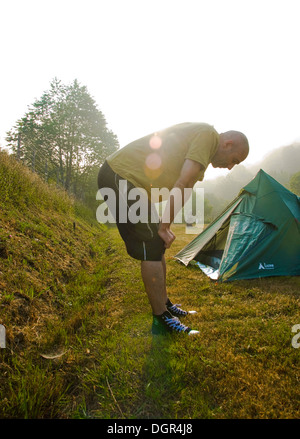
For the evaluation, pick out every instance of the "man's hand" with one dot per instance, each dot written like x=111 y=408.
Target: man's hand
x=166 y=235
x=188 y=176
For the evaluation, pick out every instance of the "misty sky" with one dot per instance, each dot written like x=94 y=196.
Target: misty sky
x=149 y=64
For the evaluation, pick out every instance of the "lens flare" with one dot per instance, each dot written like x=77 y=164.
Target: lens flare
x=155 y=142
x=153 y=161
x=152 y=166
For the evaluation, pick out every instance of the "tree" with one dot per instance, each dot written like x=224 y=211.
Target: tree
x=64 y=136
x=295 y=183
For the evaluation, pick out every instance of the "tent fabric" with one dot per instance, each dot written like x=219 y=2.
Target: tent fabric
x=192 y=249
x=257 y=235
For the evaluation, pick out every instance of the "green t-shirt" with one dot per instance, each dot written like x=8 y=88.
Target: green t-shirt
x=155 y=161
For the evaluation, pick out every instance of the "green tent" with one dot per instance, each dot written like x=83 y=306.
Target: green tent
x=257 y=235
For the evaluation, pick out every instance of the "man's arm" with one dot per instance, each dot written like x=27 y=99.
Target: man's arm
x=188 y=177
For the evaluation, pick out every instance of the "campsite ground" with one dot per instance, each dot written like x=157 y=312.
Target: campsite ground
x=100 y=360
x=242 y=365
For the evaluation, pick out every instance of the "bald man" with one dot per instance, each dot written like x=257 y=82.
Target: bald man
x=174 y=159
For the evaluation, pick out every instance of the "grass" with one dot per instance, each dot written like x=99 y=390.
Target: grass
x=78 y=327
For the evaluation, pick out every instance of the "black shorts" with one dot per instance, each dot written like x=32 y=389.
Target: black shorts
x=141 y=238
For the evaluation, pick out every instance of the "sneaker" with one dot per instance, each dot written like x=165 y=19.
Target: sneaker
x=176 y=311
x=168 y=323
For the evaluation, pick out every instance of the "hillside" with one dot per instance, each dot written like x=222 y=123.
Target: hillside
x=52 y=267
x=44 y=244
x=281 y=163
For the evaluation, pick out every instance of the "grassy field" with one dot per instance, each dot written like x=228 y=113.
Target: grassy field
x=78 y=328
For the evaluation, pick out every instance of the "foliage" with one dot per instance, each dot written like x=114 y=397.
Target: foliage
x=64 y=137
x=295 y=183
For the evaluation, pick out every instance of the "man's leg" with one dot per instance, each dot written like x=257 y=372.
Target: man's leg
x=154 y=278
x=163 y=261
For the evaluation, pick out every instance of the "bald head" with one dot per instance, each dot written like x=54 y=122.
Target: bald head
x=238 y=139
x=233 y=149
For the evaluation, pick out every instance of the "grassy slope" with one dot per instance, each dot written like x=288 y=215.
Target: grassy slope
x=78 y=325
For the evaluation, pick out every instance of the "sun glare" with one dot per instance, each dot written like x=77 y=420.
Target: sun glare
x=155 y=142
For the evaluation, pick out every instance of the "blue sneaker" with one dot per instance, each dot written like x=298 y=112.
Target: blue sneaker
x=176 y=311
x=167 y=323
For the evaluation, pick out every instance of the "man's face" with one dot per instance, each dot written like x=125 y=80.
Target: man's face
x=227 y=156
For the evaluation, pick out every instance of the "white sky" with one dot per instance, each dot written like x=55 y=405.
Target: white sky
x=151 y=63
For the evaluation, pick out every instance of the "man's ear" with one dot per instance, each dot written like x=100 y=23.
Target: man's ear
x=228 y=145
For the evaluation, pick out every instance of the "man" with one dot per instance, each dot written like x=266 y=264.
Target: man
x=175 y=158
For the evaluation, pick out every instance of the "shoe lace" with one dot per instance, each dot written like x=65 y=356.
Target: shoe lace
x=175 y=308
x=175 y=324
